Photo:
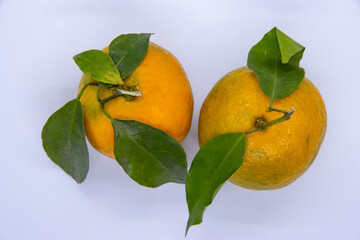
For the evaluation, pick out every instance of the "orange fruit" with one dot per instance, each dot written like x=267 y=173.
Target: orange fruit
x=166 y=102
x=278 y=155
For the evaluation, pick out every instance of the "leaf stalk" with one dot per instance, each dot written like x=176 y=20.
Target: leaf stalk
x=84 y=87
x=117 y=92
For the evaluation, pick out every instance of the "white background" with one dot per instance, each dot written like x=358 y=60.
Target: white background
x=210 y=38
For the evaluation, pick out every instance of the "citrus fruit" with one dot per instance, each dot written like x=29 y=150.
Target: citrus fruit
x=274 y=157
x=166 y=102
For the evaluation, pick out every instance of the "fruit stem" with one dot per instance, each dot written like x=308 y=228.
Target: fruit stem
x=117 y=92
x=252 y=131
x=84 y=87
x=102 y=102
x=276 y=110
x=126 y=92
x=261 y=124
x=105 y=100
x=271 y=103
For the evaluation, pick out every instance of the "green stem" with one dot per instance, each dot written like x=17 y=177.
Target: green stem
x=262 y=124
x=102 y=105
x=105 y=100
x=117 y=92
x=256 y=130
x=271 y=103
x=84 y=87
x=271 y=109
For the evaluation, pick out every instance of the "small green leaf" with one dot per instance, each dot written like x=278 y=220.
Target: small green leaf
x=212 y=166
x=128 y=51
x=275 y=61
x=148 y=155
x=63 y=138
x=99 y=66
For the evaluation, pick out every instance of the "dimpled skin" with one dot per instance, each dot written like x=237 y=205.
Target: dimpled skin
x=166 y=102
x=276 y=157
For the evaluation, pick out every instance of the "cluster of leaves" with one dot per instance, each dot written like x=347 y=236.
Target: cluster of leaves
x=147 y=154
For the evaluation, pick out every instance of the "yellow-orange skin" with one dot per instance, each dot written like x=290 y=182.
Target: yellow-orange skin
x=276 y=157
x=166 y=102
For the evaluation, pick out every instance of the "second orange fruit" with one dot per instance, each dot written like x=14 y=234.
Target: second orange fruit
x=276 y=157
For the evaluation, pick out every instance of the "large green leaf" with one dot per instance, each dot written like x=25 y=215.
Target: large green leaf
x=128 y=51
x=64 y=141
x=148 y=155
x=99 y=66
x=275 y=61
x=212 y=166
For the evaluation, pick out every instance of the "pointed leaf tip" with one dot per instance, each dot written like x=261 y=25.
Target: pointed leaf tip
x=128 y=51
x=99 y=66
x=212 y=166
x=288 y=47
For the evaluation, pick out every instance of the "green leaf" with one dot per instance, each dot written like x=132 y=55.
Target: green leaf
x=148 y=155
x=275 y=61
x=63 y=138
x=99 y=66
x=128 y=51
x=212 y=166
x=288 y=47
